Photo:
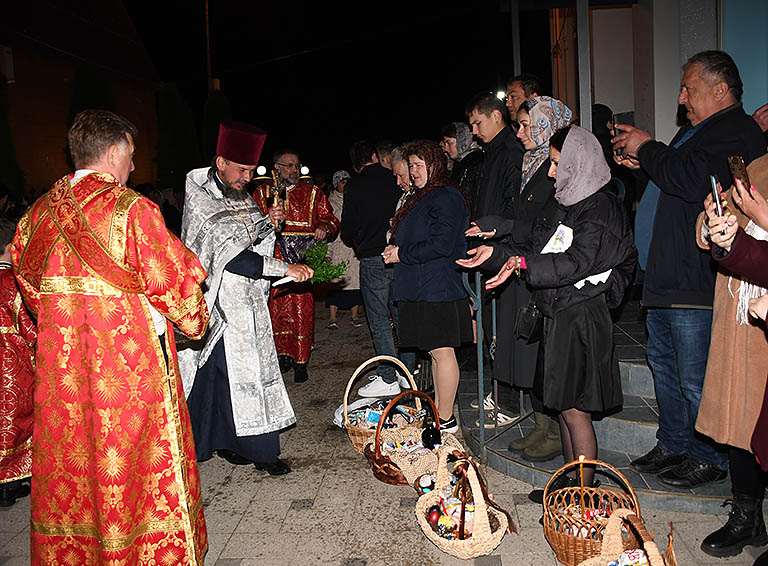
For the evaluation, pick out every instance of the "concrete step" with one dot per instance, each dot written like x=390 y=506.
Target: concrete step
x=650 y=492
x=632 y=430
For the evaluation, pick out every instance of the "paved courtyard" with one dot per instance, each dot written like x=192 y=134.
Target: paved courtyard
x=331 y=510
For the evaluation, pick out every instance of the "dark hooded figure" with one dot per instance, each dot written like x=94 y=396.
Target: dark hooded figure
x=428 y=236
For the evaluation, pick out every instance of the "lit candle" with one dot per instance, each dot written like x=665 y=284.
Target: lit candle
x=581 y=478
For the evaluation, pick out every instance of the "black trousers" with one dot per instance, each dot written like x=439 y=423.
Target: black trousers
x=746 y=476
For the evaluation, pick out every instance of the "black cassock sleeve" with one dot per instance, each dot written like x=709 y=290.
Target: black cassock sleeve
x=246 y=263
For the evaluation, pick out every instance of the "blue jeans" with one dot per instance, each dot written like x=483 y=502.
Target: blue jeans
x=678 y=345
x=376 y=288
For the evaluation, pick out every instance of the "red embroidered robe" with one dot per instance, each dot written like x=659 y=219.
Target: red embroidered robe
x=17 y=373
x=114 y=472
x=292 y=306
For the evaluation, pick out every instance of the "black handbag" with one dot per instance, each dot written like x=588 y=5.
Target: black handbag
x=529 y=325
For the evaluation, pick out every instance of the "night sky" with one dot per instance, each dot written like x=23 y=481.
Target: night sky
x=319 y=75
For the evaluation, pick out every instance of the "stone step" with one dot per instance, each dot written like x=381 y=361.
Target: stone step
x=636 y=378
x=632 y=430
x=650 y=492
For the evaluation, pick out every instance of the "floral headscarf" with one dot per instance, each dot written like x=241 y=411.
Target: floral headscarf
x=547 y=116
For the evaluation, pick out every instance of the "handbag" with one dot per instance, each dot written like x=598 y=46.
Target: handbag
x=529 y=325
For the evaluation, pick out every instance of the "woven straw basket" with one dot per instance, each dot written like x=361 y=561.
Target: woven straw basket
x=489 y=524
x=359 y=435
x=613 y=544
x=399 y=467
x=560 y=527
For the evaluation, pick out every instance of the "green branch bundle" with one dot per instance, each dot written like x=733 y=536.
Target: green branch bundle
x=324 y=269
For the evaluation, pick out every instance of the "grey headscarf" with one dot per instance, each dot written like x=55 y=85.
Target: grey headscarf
x=339 y=176
x=582 y=170
x=465 y=143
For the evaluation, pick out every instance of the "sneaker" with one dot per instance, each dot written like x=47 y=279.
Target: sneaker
x=357 y=322
x=502 y=419
x=403 y=381
x=656 y=461
x=450 y=426
x=691 y=473
x=379 y=388
x=332 y=325
x=487 y=403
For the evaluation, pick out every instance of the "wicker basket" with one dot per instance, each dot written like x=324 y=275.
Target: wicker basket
x=489 y=524
x=613 y=546
x=359 y=435
x=399 y=467
x=561 y=528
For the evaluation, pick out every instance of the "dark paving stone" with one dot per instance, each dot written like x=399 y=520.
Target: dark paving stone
x=354 y=562
x=630 y=353
x=488 y=561
x=224 y=562
x=409 y=502
x=639 y=414
x=301 y=504
x=623 y=339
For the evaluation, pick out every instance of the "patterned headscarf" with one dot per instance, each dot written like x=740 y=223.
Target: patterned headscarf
x=465 y=143
x=547 y=115
x=582 y=169
x=339 y=176
x=437 y=174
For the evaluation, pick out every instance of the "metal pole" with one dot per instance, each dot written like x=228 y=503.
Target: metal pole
x=514 y=11
x=480 y=391
x=585 y=70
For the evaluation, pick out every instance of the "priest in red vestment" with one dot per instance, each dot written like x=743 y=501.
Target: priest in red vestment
x=17 y=374
x=114 y=472
x=308 y=217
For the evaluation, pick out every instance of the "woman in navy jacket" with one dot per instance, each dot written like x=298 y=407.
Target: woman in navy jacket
x=428 y=237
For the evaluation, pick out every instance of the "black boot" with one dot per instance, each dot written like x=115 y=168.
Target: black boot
x=12 y=491
x=286 y=363
x=745 y=526
x=300 y=374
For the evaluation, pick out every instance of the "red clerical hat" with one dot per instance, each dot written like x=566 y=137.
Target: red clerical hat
x=240 y=142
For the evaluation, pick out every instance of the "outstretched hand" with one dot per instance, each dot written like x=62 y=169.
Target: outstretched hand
x=480 y=256
x=474 y=231
x=511 y=267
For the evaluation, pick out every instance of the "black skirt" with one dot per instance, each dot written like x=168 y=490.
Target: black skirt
x=344 y=298
x=428 y=326
x=578 y=367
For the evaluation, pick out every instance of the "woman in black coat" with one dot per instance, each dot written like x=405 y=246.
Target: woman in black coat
x=581 y=270
x=428 y=234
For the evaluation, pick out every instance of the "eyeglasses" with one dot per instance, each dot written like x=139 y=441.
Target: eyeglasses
x=290 y=165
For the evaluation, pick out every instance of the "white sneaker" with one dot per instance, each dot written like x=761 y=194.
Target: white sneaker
x=403 y=381
x=378 y=388
x=488 y=403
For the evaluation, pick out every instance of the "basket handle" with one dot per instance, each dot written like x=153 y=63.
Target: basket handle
x=612 y=546
x=360 y=370
x=395 y=401
x=606 y=465
x=481 y=526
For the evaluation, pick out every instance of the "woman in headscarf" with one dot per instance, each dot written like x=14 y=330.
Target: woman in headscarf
x=346 y=292
x=581 y=268
x=515 y=361
x=428 y=237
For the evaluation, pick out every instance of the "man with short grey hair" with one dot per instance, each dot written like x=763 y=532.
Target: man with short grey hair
x=679 y=280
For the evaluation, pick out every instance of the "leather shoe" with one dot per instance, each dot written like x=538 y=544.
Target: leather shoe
x=285 y=363
x=12 y=491
x=656 y=461
x=232 y=457
x=276 y=468
x=300 y=374
x=691 y=473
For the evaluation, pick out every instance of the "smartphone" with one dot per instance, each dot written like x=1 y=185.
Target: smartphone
x=616 y=132
x=739 y=171
x=716 y=190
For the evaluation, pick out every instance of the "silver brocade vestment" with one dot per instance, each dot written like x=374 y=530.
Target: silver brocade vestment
x=239 y=312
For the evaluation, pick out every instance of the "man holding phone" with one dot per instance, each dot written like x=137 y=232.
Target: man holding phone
x=679 y=278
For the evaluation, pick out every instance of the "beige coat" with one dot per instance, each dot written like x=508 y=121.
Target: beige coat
x=738 y=353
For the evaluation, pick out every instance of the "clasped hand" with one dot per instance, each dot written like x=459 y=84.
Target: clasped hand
x=390 y=254
x=277 y=213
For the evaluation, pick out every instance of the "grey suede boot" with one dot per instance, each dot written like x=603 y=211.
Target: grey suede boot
x=547 y=448
x=541 y=423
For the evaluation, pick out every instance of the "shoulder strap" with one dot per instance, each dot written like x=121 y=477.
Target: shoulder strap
x=77 y=233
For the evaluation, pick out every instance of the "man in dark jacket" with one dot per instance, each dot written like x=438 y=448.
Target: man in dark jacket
x=369 y=204
x=497 y=188
x=680 y=278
